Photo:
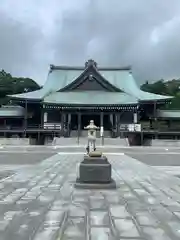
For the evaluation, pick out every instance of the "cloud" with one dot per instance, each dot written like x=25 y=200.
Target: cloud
x=114 y=33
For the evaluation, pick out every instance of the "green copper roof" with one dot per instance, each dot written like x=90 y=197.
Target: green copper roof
x=90 y=98
x=125 y=81
x=122 y=79
x=56 y=80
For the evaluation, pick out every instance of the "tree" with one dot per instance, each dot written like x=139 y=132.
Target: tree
x=170 y=88
x=13 y=85
x=158 y=87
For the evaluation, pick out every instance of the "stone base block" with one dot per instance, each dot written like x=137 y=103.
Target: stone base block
x=95 y=172
x=82 y=185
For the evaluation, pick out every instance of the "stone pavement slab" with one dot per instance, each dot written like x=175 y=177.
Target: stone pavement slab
x=41 y=203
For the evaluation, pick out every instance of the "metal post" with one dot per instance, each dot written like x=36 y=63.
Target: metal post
x=39 y=143
x=79 y=125
x=118 y=124
x=25 y=118
x=69 y=122
x=62 y=124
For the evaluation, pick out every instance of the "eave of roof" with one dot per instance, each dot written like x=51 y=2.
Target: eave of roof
x=34 y=95
x=91 y=98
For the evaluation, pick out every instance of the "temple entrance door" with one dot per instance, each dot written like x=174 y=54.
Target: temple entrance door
x=106 y=122
x=74 y=122
x=87 y=117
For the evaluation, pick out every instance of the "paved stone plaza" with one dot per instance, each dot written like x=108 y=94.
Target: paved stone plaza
x=39 y=200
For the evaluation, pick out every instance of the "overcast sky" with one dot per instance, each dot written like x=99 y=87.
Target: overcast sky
x=141 y=33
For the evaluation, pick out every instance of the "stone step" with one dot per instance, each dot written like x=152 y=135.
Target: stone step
x=83 y=133
x=83 y=141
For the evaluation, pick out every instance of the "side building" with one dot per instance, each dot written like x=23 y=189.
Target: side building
x=72 y=96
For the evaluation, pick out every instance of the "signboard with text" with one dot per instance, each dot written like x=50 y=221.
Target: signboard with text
x=130 y=127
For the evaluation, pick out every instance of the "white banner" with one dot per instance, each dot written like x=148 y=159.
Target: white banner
x=101 y=131
x=137 y=127
x=45 y=117
x=134 y=127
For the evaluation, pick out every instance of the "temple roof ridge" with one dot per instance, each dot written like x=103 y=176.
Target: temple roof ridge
x=87 y=63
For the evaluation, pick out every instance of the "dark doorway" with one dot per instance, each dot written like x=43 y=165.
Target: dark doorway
x=74 y=122
x=106 y=122
x=85 y=119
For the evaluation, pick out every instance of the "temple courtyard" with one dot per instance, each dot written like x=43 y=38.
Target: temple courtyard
x=38 y=199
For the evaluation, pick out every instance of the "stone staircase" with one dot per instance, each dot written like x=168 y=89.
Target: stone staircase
x=83 y=133
x=82 y=141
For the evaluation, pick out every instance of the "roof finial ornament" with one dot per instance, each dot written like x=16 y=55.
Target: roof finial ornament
x=90 y=62
x=51 y=67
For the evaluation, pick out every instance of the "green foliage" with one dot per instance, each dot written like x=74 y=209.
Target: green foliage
x=170 y=88
x=13 y=85
x=153 y=88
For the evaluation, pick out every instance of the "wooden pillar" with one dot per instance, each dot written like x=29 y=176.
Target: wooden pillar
x=79 y=125
x=66 y=119
x=155 y=119
x=102 y=119
x=69 y=118
x=69 y=123
x=62 y=124
x=5 y=123
x=42 y=117
x=118 y=123
x=150 y=122
x=5 y=126
x=111 y=118
x=25 y=116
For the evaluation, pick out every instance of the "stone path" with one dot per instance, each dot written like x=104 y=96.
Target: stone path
x=40 y=202
x=83 y=141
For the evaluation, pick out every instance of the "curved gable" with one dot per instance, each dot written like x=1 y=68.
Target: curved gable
x=91 y=79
